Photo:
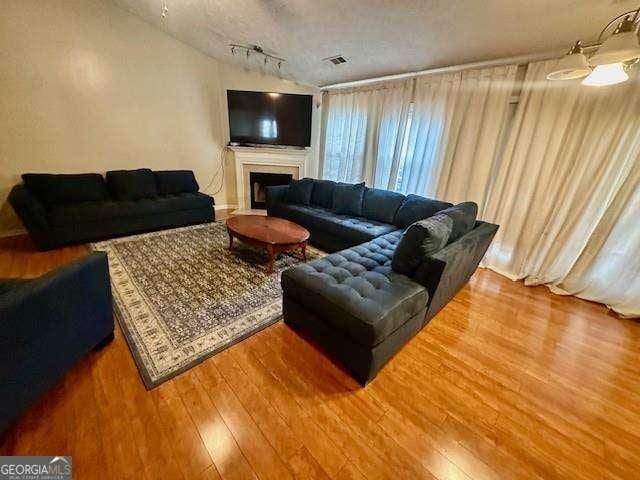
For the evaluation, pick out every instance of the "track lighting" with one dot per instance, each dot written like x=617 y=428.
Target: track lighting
x=249 y=49
x=164 y=9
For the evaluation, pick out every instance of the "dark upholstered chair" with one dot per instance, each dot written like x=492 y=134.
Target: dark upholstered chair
x=47 y=324
x=61 y=209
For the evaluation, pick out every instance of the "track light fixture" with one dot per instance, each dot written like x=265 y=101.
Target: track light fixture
x=164 y=9
x=617 y=49
x=249 y=49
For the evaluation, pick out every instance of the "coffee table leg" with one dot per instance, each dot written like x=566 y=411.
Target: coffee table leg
x=271 y=258
x=230 y=241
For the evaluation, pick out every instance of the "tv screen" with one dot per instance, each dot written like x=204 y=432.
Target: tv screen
x=263 y=118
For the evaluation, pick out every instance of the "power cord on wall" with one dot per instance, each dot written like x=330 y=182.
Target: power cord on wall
x=222 y=157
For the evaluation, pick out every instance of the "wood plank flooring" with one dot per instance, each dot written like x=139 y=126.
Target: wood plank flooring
x=507 y=382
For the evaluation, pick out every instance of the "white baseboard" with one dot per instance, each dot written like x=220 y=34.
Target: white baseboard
x=12 y=233
x=249 y=211
x=226 y=207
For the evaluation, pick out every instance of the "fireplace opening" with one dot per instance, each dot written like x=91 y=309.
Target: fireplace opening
x=259 y=181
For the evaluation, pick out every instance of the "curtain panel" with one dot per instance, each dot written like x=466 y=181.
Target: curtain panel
x=456 y=133
x=435 y=135
x=566 y=193
x=363 y=131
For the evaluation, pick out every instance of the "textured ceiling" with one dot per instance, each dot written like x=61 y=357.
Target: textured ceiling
x=378 y=37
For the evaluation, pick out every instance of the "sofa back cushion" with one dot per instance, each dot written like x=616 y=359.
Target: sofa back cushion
x=322 y=194
x=348 y=198
x=463 y=216
x=132 y=184
x=55 y=189
x=416 y=208
x=420 y=240
x=300 y=191
x=171 y=182
x=381 y=205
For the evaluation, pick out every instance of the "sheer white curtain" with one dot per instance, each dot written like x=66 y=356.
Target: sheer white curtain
x=477 y=134
x=566 y=195
x=433 y=106
x=363 y=132
x=418 y=141
x=456 y=131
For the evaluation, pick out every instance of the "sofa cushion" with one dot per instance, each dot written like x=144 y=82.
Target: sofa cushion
x=132 y=184
x=357 y=292
x=53 y=189
x=322 y=193
x=176 y=181
x=300 y=191
x=381 y=205
x=306 y=215
x=89 y=212
x=347 y=198
x=416 y=208
x=353 y=229
x=420 y=240
x=464 y=218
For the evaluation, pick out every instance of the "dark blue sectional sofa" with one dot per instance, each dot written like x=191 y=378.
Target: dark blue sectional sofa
x=61 y=209
x=397 y=261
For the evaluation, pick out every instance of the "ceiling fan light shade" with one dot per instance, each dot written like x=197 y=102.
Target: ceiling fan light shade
x=604 y=75
x=619 y=47
x=571 y=66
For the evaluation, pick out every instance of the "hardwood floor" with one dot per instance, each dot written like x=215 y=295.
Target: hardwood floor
x=506 y=382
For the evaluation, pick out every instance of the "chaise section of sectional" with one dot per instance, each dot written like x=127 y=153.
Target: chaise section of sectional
x=355 y=306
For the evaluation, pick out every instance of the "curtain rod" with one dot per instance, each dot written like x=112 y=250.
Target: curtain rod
x=452 y=68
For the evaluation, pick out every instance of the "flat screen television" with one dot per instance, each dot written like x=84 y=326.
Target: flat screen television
x=267 y=118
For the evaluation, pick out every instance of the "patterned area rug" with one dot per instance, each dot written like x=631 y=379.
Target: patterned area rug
x=181 y=296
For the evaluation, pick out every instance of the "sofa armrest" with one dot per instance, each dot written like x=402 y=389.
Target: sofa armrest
x=31 y=212
x=445 y=272
x=275 y=195
x=80 y=291
x=47 y=324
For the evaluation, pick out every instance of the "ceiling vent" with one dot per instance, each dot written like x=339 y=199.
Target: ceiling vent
x=337 y=60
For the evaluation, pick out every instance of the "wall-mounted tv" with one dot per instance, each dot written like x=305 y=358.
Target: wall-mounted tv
x=268 y=118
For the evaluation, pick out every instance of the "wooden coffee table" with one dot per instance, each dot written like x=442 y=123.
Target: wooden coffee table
x=274 y=234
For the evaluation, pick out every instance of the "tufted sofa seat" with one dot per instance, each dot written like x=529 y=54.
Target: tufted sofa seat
x=357 y=289
x=345 y=230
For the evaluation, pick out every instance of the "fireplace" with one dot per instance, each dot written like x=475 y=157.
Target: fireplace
x=258 y=181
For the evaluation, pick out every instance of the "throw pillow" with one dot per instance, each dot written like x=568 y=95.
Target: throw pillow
x=464 y=218
x=322 y=194
x=55 y=189
x=420 y=240
x=381 y=205
x=300 y=191
x=132 y=184
x=176 y=181
x=347 y=198
x=416 y=208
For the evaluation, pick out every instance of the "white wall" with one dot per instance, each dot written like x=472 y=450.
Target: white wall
x=87 y=87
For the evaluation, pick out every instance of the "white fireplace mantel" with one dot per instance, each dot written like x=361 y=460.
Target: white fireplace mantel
x=260 y=159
